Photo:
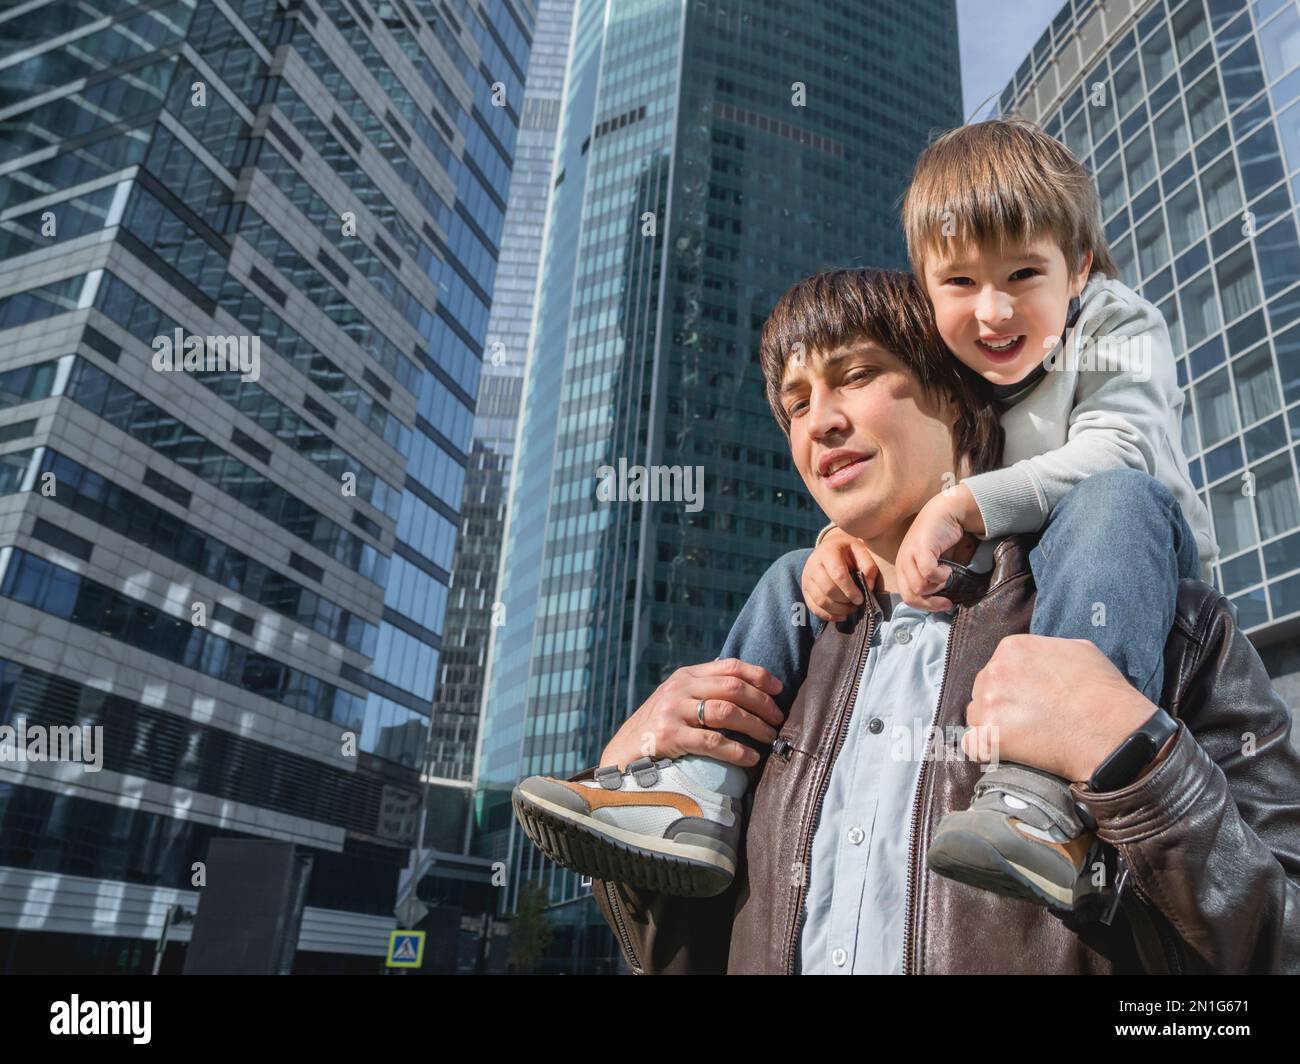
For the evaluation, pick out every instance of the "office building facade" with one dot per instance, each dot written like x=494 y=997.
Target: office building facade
x=1188 y=115
x=710 y=154
x=459 y=694
x=444 y=875
x=246 y=255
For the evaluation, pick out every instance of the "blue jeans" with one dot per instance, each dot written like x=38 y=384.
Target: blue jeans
x=1106 y=567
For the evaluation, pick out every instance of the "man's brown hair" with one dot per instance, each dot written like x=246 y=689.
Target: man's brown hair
x=999 y=183
x=840 y=308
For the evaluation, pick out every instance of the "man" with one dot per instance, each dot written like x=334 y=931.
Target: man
x=831 y=877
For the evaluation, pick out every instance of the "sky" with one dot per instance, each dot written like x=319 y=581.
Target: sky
x=996 y=35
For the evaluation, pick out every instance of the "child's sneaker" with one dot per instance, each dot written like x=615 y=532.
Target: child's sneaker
x=1022 y=836
x=650 y=826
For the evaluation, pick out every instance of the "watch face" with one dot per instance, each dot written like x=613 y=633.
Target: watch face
x=1125 y=764
x=1133 y=756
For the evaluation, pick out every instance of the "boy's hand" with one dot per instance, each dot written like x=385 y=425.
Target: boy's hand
x=940 y=526
x=827 y=581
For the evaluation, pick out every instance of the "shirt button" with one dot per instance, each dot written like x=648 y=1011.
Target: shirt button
x=875 y=725
x=903 y=636
x=838 y=957
x=856 y=835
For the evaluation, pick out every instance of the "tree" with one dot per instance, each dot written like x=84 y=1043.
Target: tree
x=530 y=928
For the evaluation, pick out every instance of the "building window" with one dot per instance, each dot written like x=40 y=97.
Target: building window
x=1233 y=526
x=1238 y=284
x=1110 y=184
x=1121 y=251
x=1190 y=30
x=1200 y=309
x=1275 y=496
x=1214 y=407
x=1186 y=224
x=1171 y=135
x=1281 y=41
x=1288 y=124
x=1204 y=105
x=1152 y=245
x=1169 y=311
x=1157 y=56
x=1222 y=196
x=1128 y=87
x=1076 y=135
x=1256 y=385
x=1141 y=162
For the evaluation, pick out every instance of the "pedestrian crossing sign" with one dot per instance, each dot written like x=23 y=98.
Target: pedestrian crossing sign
x=405 y=949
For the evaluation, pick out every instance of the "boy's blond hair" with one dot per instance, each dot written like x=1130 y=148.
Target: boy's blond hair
x=999 y=183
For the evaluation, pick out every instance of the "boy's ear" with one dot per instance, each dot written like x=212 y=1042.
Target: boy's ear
x=1080 y=280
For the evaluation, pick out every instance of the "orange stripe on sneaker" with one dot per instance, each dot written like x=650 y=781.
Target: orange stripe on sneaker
x=1075 y=850
x=597 y=797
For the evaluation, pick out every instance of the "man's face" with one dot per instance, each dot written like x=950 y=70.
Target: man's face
x=858 y=407
x=1002 y=312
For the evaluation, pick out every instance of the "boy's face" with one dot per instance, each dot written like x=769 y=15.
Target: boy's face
x=861 y=405
x=1002 y=312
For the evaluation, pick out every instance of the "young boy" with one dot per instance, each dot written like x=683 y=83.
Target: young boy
x=1004 y=231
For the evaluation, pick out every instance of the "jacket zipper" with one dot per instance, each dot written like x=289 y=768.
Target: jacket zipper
x=1157 y=920
x=805 y=841
x=913 y=874
x=622 y=927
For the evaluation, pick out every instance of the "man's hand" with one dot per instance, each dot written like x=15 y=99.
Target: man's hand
x=942 y=523
x=736 y=696
x=1056 y=704
x=827 y=580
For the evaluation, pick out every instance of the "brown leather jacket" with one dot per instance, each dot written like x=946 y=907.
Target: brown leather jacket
x=1211 y=835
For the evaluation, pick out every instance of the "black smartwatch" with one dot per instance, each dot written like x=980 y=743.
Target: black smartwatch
x=1132 y=757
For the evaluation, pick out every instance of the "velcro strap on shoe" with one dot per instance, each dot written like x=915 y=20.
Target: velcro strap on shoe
x=609 y=777
x=1045 y=792
x=643 y=770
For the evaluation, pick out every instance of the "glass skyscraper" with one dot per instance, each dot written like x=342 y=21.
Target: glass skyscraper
x=710 y=154
x=459 y=693
x=444 y=870
x=1188 y=115
x=239 y=573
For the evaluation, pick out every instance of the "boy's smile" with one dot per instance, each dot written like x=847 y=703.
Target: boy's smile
x=1001 y=349
x=1001 y=312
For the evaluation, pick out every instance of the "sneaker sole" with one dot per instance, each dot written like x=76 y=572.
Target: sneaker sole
x=979 y=864
x=603 y=851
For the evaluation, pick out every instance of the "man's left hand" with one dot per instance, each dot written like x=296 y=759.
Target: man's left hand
x=1054 y=704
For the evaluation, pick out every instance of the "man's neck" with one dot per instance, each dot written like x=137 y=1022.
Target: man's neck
x=884 y=550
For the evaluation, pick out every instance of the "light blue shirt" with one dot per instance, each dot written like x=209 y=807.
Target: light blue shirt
x=857 y=875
